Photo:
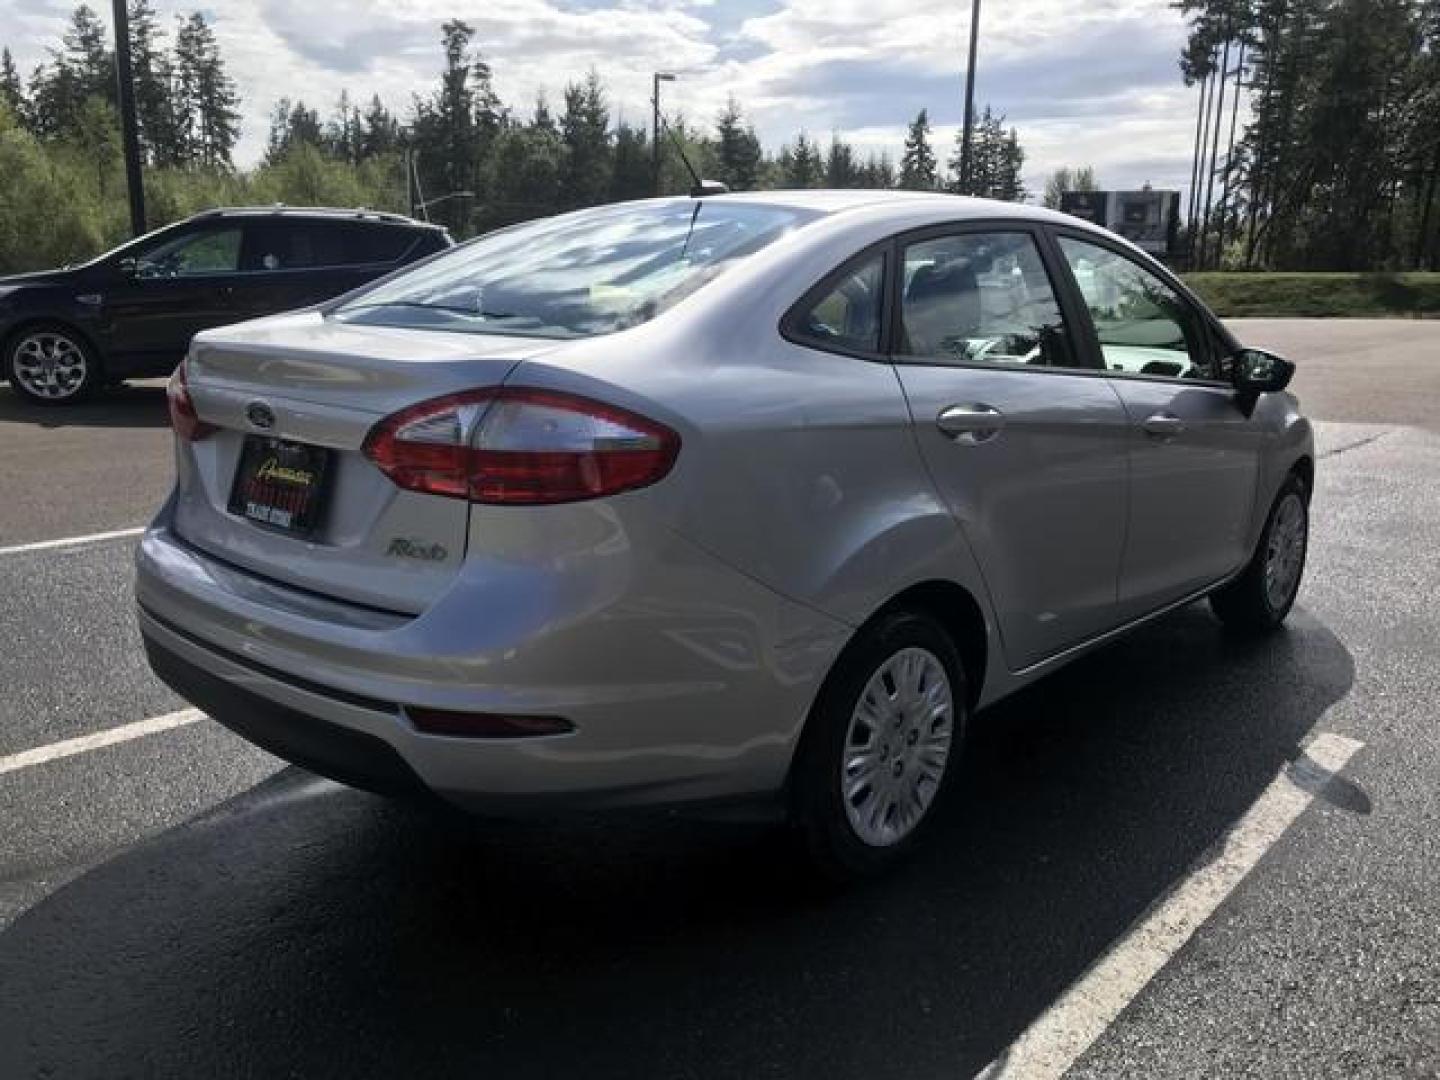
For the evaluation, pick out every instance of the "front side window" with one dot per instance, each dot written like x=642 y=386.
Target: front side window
x=213 y=251
x=981 y=298
x=1144 y=326
x=848 y=315
x=579 y=275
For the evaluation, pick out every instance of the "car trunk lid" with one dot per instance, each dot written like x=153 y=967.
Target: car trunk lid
x=302 y=392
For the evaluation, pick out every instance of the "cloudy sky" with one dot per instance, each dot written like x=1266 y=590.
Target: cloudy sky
x=1092 y=83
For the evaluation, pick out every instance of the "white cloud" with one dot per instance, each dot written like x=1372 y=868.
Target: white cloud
x=1095 y=83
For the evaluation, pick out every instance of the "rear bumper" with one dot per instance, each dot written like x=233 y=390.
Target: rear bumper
x=672 y=702
x=341 y=753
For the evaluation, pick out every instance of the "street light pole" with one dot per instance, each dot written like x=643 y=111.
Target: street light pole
x=130 y=131
x=968 y=135
x=660 y=76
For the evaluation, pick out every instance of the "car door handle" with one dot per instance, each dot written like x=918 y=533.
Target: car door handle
x=1164 y=425
x=970 y=422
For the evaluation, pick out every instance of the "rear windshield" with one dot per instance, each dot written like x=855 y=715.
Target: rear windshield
x=593 y=272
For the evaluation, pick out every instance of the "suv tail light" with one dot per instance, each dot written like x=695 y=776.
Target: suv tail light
x=520 y=446
x=183 y=418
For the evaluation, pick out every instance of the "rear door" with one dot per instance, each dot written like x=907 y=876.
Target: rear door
x=1194 y=453
x=1025 y=443
x=183 y=285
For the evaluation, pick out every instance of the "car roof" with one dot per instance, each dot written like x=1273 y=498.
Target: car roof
x=836 y=200
x=330 y=213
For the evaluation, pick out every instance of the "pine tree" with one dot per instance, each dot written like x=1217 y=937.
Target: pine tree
x=153 y=73
x=206 y=97
x=841 y=170
x=380 y=131
x=917 y=164
x=801 y=165
x=630 y=173
x=12 y=90
x=584 y=129
x=738 y=149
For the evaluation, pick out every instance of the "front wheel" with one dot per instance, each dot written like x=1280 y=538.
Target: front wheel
x=51 y=365
x=880 y=743
x=1259 y=599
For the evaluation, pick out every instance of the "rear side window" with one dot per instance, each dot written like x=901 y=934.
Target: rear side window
x=981 y=298
x=295 y=245
x=847 y=316
x=369 y=242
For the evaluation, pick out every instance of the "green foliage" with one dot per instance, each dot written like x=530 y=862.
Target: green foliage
x=996 y=161
x=1337 y=166
x=918 y=171
x=1066 y=179
x=1277 y=295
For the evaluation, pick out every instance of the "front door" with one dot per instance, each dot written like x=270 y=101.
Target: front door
x=184 y=285
x=1194 y=453
x=1026 y=445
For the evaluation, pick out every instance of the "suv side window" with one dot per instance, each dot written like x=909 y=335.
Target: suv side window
x=293 y=244
x=1145 y=327
x=981 y=298
x=847 y=316
x=367 y=243
x=208 y=251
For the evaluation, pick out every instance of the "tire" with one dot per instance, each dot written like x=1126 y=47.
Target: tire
x=1258 y=601
x=849 y=829
x=50 y=364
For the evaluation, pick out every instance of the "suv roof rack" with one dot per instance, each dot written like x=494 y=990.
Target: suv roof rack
x=280 y=210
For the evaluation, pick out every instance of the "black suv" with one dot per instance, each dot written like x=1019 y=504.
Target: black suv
x=132 y=311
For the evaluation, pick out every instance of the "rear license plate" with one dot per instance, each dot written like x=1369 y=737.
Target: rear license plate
x=280 y=484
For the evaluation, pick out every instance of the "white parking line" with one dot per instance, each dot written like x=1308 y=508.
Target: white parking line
x=71 y=541
x=109 y=737
x=1057 y=1038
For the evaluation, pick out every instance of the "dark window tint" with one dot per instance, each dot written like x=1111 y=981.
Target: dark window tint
x=848 y=315
x=295 y=245
x=369 y=242
x=1145 y=327
x=981 y=298
x=210 y=251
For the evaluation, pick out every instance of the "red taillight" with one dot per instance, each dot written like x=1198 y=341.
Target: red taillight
x=521 y=446
x=183 y=418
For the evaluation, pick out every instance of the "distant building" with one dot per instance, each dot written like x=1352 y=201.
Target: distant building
x=1148 y=219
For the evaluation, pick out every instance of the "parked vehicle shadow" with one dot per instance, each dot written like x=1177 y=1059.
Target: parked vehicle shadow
x=302 y=929
x=134 y=405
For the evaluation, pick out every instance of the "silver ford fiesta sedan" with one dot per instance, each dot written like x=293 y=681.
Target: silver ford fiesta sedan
x=747 y=498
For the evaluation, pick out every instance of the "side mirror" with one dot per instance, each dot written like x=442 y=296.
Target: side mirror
x=126 y=267
x=1255 y=372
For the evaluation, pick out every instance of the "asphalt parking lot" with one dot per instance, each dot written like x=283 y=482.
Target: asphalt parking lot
x=180 y=904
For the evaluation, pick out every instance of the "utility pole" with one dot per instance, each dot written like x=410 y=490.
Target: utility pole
x=967 y=136
x=130 y=130
x=660 y=76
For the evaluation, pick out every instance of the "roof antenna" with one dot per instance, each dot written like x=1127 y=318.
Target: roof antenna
x=700 y=188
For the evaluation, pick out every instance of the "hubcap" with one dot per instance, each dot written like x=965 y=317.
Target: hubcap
x=1285 y=552
x=49 y=365
x=896 y=747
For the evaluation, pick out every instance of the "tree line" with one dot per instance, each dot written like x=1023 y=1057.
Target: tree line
x=1335 y=163
x=478 y=161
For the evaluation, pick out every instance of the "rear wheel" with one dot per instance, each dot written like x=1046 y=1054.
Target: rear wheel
x=51 y=365
x=880 y=743
x=1261 y=597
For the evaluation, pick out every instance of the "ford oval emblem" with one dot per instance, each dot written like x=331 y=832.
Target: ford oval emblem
x=260 y=415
